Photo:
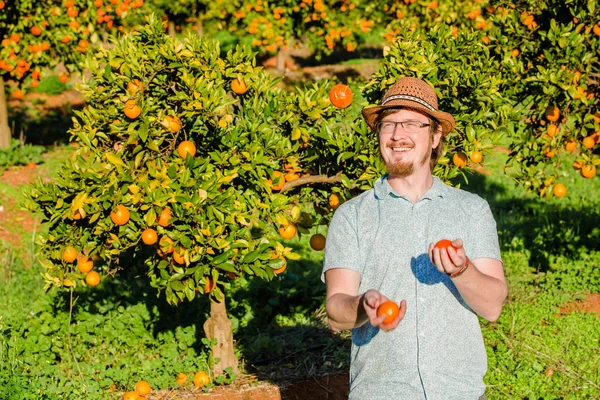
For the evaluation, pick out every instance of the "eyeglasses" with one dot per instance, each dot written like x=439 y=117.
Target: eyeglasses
x=389 y=127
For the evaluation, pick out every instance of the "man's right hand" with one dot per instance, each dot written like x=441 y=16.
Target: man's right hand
x=371 y=301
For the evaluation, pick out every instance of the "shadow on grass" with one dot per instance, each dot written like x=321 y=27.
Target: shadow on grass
x=536 y=226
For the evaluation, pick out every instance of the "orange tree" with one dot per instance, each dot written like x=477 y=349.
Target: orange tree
x=462 y=71
x=39 y=35
x=193 y=168
x=550 y=53
x=321 y=25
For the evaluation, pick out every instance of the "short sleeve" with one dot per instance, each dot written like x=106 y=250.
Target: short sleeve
x=484 y=242
x=341 y=248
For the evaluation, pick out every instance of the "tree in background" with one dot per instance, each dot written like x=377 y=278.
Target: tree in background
x=38 y=36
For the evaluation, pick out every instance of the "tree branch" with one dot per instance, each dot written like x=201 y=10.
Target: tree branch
x=305 y=180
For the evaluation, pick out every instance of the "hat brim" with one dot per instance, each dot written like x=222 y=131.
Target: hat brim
x=446 y=120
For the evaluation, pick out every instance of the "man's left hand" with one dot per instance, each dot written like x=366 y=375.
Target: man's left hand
x=449 y=260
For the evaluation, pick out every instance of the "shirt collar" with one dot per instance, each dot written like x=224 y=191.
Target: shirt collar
x=383 y=189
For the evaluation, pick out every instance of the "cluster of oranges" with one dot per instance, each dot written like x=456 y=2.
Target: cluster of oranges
x=85 y=265
x=142 y=388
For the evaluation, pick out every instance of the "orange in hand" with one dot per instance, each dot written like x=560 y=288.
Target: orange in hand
x=390 y=310
x=444 y=244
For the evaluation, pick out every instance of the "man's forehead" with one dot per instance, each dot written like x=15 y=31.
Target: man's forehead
x=404 y=114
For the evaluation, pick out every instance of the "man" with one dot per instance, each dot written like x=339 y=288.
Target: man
x=380 y=246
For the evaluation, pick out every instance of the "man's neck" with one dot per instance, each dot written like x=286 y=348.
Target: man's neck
x=413 y=186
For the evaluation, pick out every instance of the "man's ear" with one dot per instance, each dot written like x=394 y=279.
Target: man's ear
x=437 y=137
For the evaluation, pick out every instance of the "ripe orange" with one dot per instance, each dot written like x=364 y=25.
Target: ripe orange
x=460 y=159
x=390 y=310
x=570 y=145
x=551 y=129
x=552 y=113
x=548 y=152
x=287 y=231
x=178 y=256
x=443 y=244
x=317 y=242
x=164 y=217
x=239 y=86
x=186 y=147
x=142 y=388
x=166 y=244
x=201 y=379
x=92 y=278
x=181 y=378
x=134 y=86
x=209 y=286
x=588 y=171
x=17 y=94
x=131 y=109
x=120 y=215
x=476 y=156
x=291 y=176
x=589 y=142
x=69 y=254
x=131 y=396
x=36 y=30
x=279 y=180
x=596 y=29
x=149 y=236
x=171 y=123
x=515 y=52
x=559 y=190
x=280 y=269
x=334 y=201
x=85 y=265
x=340 y=96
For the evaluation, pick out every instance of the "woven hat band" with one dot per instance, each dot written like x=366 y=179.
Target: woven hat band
x=411 y=98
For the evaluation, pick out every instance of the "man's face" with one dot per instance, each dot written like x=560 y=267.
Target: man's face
x=406 y=152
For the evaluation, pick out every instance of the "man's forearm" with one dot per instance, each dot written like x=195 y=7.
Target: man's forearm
x=345 y=311
x=483 y=293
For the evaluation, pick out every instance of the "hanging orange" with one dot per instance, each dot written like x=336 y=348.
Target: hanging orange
x=340 y=95
x=120 y=215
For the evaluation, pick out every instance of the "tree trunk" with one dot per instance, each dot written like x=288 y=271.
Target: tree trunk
x=280 y=65
x=171 y=28
x=200 y=28
x=5 y=134
x=218 y=326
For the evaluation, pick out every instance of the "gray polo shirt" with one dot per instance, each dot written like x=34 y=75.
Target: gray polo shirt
x=437 y=351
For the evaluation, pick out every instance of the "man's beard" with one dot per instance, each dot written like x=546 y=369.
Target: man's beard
x=401 y=169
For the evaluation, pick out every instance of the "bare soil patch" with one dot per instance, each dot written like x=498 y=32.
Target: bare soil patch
x=591 y=304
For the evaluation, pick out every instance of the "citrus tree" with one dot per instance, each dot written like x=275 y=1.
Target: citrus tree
x=37 y=36
x=549 y=51
x=193 y=168
x=462 y=72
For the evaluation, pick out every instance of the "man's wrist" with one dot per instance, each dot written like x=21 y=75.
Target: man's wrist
x=461 y=270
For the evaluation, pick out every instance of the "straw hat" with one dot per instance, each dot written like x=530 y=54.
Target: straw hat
x=415 y=94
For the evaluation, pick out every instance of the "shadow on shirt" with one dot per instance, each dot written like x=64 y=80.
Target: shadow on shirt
x=426 y=273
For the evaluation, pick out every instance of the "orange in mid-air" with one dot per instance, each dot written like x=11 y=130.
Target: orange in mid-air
x=390 y=309
x=340 y=95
